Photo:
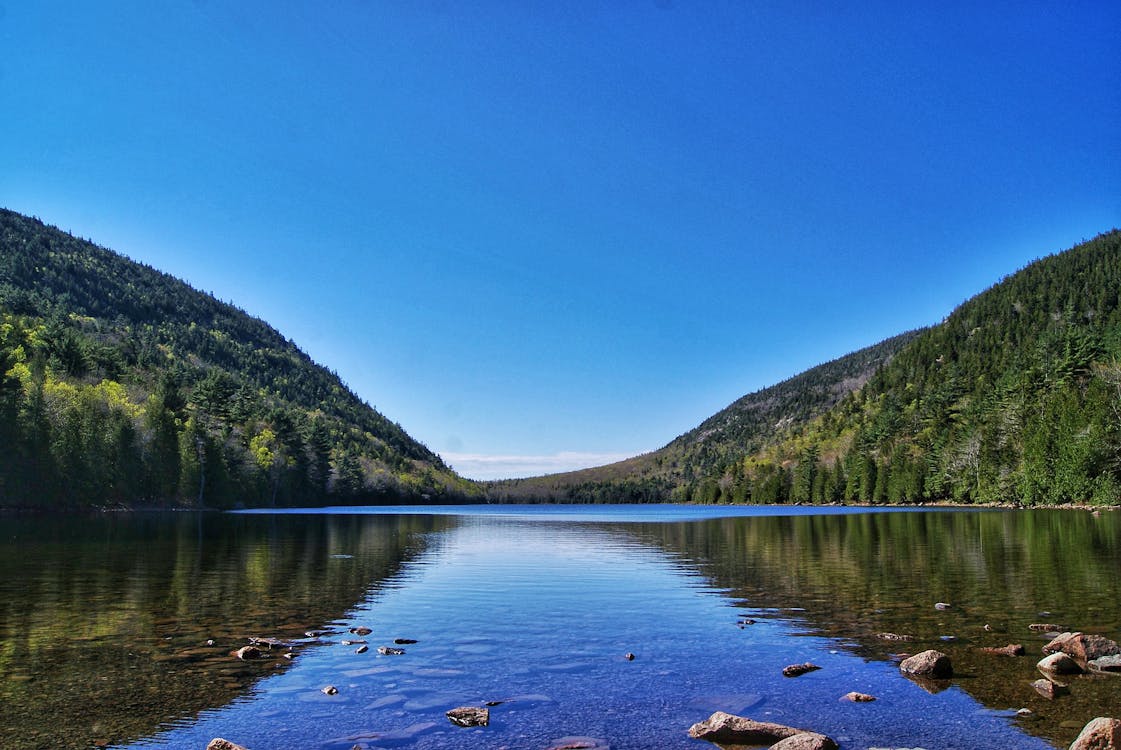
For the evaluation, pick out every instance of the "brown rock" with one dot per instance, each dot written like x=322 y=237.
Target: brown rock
x=806 y=741
x=1046 y=627
x=1050 y=690
x=361 y=630
x=795 y=670
x=245 y=653
x=469 y=716
x=1059 y=663
x=730 y=729
x=1099 y=734
x=220 y=744
x=856 y=697
x=1012 y=649
x=929 y=663
x=1082 y=647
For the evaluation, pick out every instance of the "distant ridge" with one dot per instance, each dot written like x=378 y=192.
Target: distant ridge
x=121 y=385
x=1014 y=398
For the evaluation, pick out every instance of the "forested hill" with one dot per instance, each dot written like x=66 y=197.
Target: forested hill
x=1015 y=397
x=688 y=468
x=121 y=385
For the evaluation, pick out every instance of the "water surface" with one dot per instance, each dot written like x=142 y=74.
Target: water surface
x=105 y=624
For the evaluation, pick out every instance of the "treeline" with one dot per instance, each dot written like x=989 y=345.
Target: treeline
x=1014 y=398
x=120 y=385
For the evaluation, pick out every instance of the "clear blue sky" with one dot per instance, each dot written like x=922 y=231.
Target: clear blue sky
x=547 y=234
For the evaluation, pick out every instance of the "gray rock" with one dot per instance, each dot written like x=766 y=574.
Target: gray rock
x=729 y=729
x=1106 y=663
x=929 y=663
x=330 y=690
x=390 y=651
x=469 y=716
x=1059 y=663
x=895 y=637
x=942 y=606
x=1099 y=734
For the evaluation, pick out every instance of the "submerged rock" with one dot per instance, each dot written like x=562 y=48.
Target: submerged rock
x=361 y=630
x=469 y=716
x=404 y=641
x=1099 y=734
x=895 y=637
x=1082 y=647
x=1046 y=627
x=856 y=697
x=1012 y=649
x=806 y=741
x=794 y=670
x=725 y=728
x=929 y=663
x=1050 y=690
x=246 y=653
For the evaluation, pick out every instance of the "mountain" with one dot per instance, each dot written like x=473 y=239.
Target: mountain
x=689 y=467
x=1014 y=397
x=121 y=385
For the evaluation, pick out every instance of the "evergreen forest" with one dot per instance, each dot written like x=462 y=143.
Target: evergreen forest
x=121 y=386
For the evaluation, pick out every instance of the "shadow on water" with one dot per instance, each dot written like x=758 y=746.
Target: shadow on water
x=104 y=620
x=854 y=577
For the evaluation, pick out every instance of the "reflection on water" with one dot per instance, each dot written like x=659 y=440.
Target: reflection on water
x=854 y=577
x=104 y=620
x=104 y=624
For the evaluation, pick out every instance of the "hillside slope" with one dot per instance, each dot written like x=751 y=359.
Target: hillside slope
x=1015 y=397
x=123 y=385
x=684 y=469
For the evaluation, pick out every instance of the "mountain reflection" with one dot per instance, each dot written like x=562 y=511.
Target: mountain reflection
x=855 y=577
x=104 y=621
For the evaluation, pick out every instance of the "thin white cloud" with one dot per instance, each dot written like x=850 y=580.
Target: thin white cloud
x=483 y=467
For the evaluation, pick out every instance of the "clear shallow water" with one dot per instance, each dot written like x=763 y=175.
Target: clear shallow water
x=539 y=615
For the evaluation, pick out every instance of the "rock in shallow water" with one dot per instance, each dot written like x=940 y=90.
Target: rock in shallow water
x=806 y=741
x=794 y=670
x=730 y=729
x=1050 y=690
x=469 y=716
x=856 y=697
x=1106 y=663
x=1082 y=646
x=1059 y=663
x=220 y=744
x=929 y=663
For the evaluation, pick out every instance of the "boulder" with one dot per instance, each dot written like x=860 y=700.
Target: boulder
x=729 y=729
x=1106 y=663
x=220 y=744
x=1012 y=649
x=1083 y=647
x=929 y=663
x=795 y=670
x=856 y=697
x=1059 y=663
x=806 y=741
x=469 y=716
x=1099 y=734
x=1050 y=690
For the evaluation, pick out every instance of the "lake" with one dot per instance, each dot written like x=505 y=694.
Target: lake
x=116 y=629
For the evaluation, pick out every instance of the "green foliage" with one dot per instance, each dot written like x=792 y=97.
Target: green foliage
x=120 y=385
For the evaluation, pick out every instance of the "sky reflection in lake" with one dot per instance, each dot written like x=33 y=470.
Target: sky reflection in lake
x=540 y=616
